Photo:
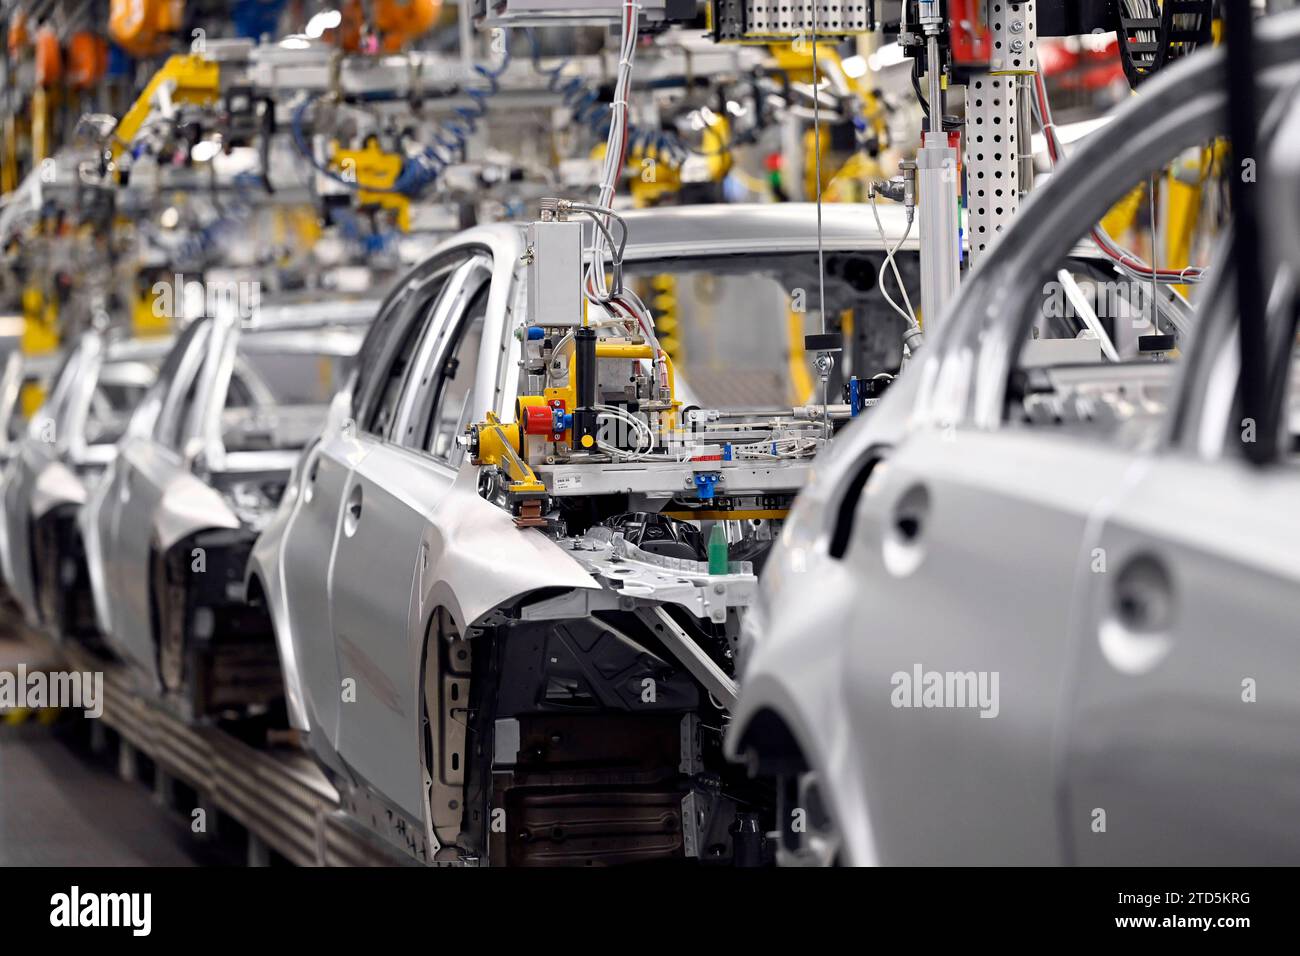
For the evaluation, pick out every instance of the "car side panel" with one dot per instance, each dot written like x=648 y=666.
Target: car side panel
x=372 y=583
x=306 y=558
x=34 y=458
x=1183 y=730
x=982 y=588
x=144 y=472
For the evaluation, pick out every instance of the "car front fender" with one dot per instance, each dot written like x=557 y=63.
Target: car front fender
x=478 y=560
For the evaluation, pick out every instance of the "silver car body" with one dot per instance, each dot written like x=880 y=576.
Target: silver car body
x=19 y=371
x=69 y=441
x=1128 y=587
x=372 y=537
x=180 y=470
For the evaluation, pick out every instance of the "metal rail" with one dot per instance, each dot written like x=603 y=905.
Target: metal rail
x=280 y=797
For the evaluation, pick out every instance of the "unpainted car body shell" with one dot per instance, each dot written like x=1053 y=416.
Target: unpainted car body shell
x=153 y=497
x=827 y=633
x=43 y=473
x=17 y=369
x=457 y=555
x=425 y=538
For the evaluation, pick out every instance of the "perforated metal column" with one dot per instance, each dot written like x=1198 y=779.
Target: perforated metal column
x=794 y=17
x=992 y=126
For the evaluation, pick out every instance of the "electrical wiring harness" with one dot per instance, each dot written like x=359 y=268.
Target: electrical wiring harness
x=1127 y=262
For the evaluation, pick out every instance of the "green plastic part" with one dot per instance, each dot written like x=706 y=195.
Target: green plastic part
x=718 y=563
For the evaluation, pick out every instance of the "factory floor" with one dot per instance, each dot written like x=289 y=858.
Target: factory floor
x=63 y=805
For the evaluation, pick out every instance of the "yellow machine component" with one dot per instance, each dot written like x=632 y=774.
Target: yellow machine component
x=192 y=79
x=527 y=401
x=1182 y=212
x=493 y=442
x=1185 y=187
x=1120 y=219
x=623 y=350
x=41 y=328
x=752 y=514
x=40 y=110
x=715 y=146
x=141 y=26
x=795 y=60
x=849 y=183
x=9 y=158
x=31 y=398
x=300 y=226
x=501 y=444
x=663 y=302
x=371 y=166
x=801 y=382
x=846 y=183
x=631 y=351
x=672 y=380
x=497 y=441
x=143 y=320
x=652 y=178
x=40 y=336
x=567 y=395
x=810 y=167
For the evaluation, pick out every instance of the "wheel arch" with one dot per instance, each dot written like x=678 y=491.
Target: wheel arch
x=773 y=733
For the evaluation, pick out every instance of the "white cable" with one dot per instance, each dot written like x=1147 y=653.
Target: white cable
x=595 y=286
x=615 y=142
x=555 y=356
x=643 y=432
x=789 y=448
x=910 y=314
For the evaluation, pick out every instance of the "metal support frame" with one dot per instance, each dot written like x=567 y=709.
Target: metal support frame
x=785 y=18
x=280 y=798
x=997 y=125
x=692 y=656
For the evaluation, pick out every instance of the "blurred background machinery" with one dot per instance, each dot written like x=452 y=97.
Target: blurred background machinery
x=322 y=144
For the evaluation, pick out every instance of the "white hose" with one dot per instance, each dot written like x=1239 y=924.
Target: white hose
x=910 y=314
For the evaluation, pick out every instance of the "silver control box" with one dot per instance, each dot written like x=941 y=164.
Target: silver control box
x=555 y=273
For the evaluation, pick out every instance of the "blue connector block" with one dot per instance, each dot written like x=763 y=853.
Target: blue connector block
x=705 y=482
x=536 y=333
x=855 y=396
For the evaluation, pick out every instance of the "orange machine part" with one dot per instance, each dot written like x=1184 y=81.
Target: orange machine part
x=139 y=26
x=49 y=57
x=400 y=21
x=87 y=59
x=351 y=25
x=170 y=14
x=396 y=22
x=17 y=33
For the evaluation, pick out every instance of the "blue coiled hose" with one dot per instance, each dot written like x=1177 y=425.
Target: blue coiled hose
x=198 y=243
x=422 y=169
x=590 y=111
